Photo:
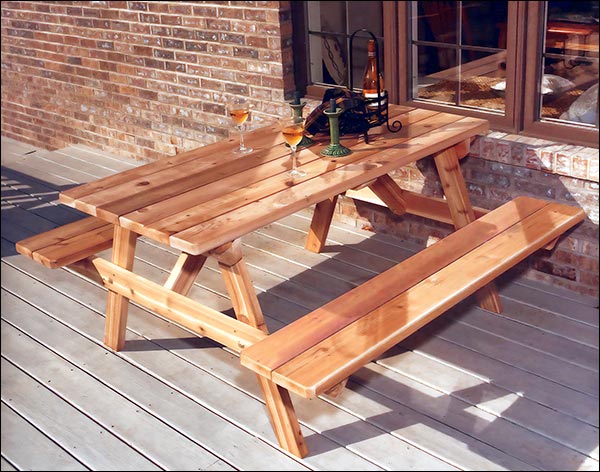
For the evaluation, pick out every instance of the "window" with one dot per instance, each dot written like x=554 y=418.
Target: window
x=329 y=27
x=561 y=71
x=528 y=67
x=458 y=54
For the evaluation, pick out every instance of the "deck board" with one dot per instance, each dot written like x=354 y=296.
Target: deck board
x=560 y=427
x=91 y=444
x=124 y=418
x=476 y=390
x=38 y=452
x=521 y=443
x=580 y=355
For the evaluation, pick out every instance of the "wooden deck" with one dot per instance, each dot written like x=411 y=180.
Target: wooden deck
x=472 y=390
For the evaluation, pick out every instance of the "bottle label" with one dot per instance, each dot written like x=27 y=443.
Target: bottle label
x=372 y=100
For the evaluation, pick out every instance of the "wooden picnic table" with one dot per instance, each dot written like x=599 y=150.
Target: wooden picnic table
x=201 y=199
x=201 y=203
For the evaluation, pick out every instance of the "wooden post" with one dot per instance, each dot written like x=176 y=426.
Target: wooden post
x=319 y=226
x=239 y=286
x=247 y=309
x=461 y=210
x=283 y=417
x=123 y=253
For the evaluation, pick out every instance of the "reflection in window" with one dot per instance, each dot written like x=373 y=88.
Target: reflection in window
x=569 y=86
x=330 y=25
x=460 y=50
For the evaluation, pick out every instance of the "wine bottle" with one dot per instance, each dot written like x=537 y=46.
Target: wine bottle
x=370 y=77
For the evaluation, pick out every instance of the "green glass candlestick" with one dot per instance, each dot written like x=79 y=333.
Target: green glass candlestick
x=335 y=149
x=297 y=110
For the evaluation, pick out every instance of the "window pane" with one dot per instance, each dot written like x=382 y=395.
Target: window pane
x=483 y=80
x=569 y=87
x=437 y=77
x=327 y=16
x=330 y=25
x=327 y=44
x=484 y=24
x=469 y=75
x=437 y=21
x=365 y=15
x=466 y=86
x=328 y=59
x=572 y=95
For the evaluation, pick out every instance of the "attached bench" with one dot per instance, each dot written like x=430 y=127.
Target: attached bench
x=318 y=351
x=68 y=243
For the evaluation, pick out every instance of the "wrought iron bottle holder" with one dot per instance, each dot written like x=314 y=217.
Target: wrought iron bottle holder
x=376 y=107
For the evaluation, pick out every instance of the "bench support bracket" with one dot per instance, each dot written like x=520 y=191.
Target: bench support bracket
x=184 y=272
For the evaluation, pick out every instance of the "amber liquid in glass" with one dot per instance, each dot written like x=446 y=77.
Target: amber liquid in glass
x=239 y=116
x=292 y=134
x=292 y=131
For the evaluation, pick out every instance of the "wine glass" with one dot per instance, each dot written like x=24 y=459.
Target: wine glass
x=239 y=110
x=292 y=130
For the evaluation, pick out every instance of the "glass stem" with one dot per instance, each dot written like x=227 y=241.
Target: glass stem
x=293 y=148
x=241 y=128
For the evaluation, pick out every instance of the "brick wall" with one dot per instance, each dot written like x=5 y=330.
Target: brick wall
x=145 y=79
x=140 y=79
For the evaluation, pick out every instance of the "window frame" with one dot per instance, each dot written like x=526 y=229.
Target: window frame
x=531 y=126
x=525 y=26
x=507 y=121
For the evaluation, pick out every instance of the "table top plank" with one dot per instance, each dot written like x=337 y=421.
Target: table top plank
x=164 y=186
x=205 y=203
x=213 y=201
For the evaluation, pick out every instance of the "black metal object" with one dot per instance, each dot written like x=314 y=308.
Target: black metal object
x=377 y=107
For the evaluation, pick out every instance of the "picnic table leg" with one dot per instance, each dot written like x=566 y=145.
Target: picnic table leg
x=283 y=417
x=239 y=286
x=247 y=309
x=123 y=252
x=319 y=225
x=461 y=210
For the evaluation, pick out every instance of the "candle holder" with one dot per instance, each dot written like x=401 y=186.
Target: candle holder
x=297 y=107
x=335 y=149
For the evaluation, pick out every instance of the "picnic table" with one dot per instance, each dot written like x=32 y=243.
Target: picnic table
x=201 y=203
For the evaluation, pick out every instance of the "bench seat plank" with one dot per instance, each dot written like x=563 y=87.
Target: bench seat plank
x=69 y=243
x=335 y=356
x=311 y=329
